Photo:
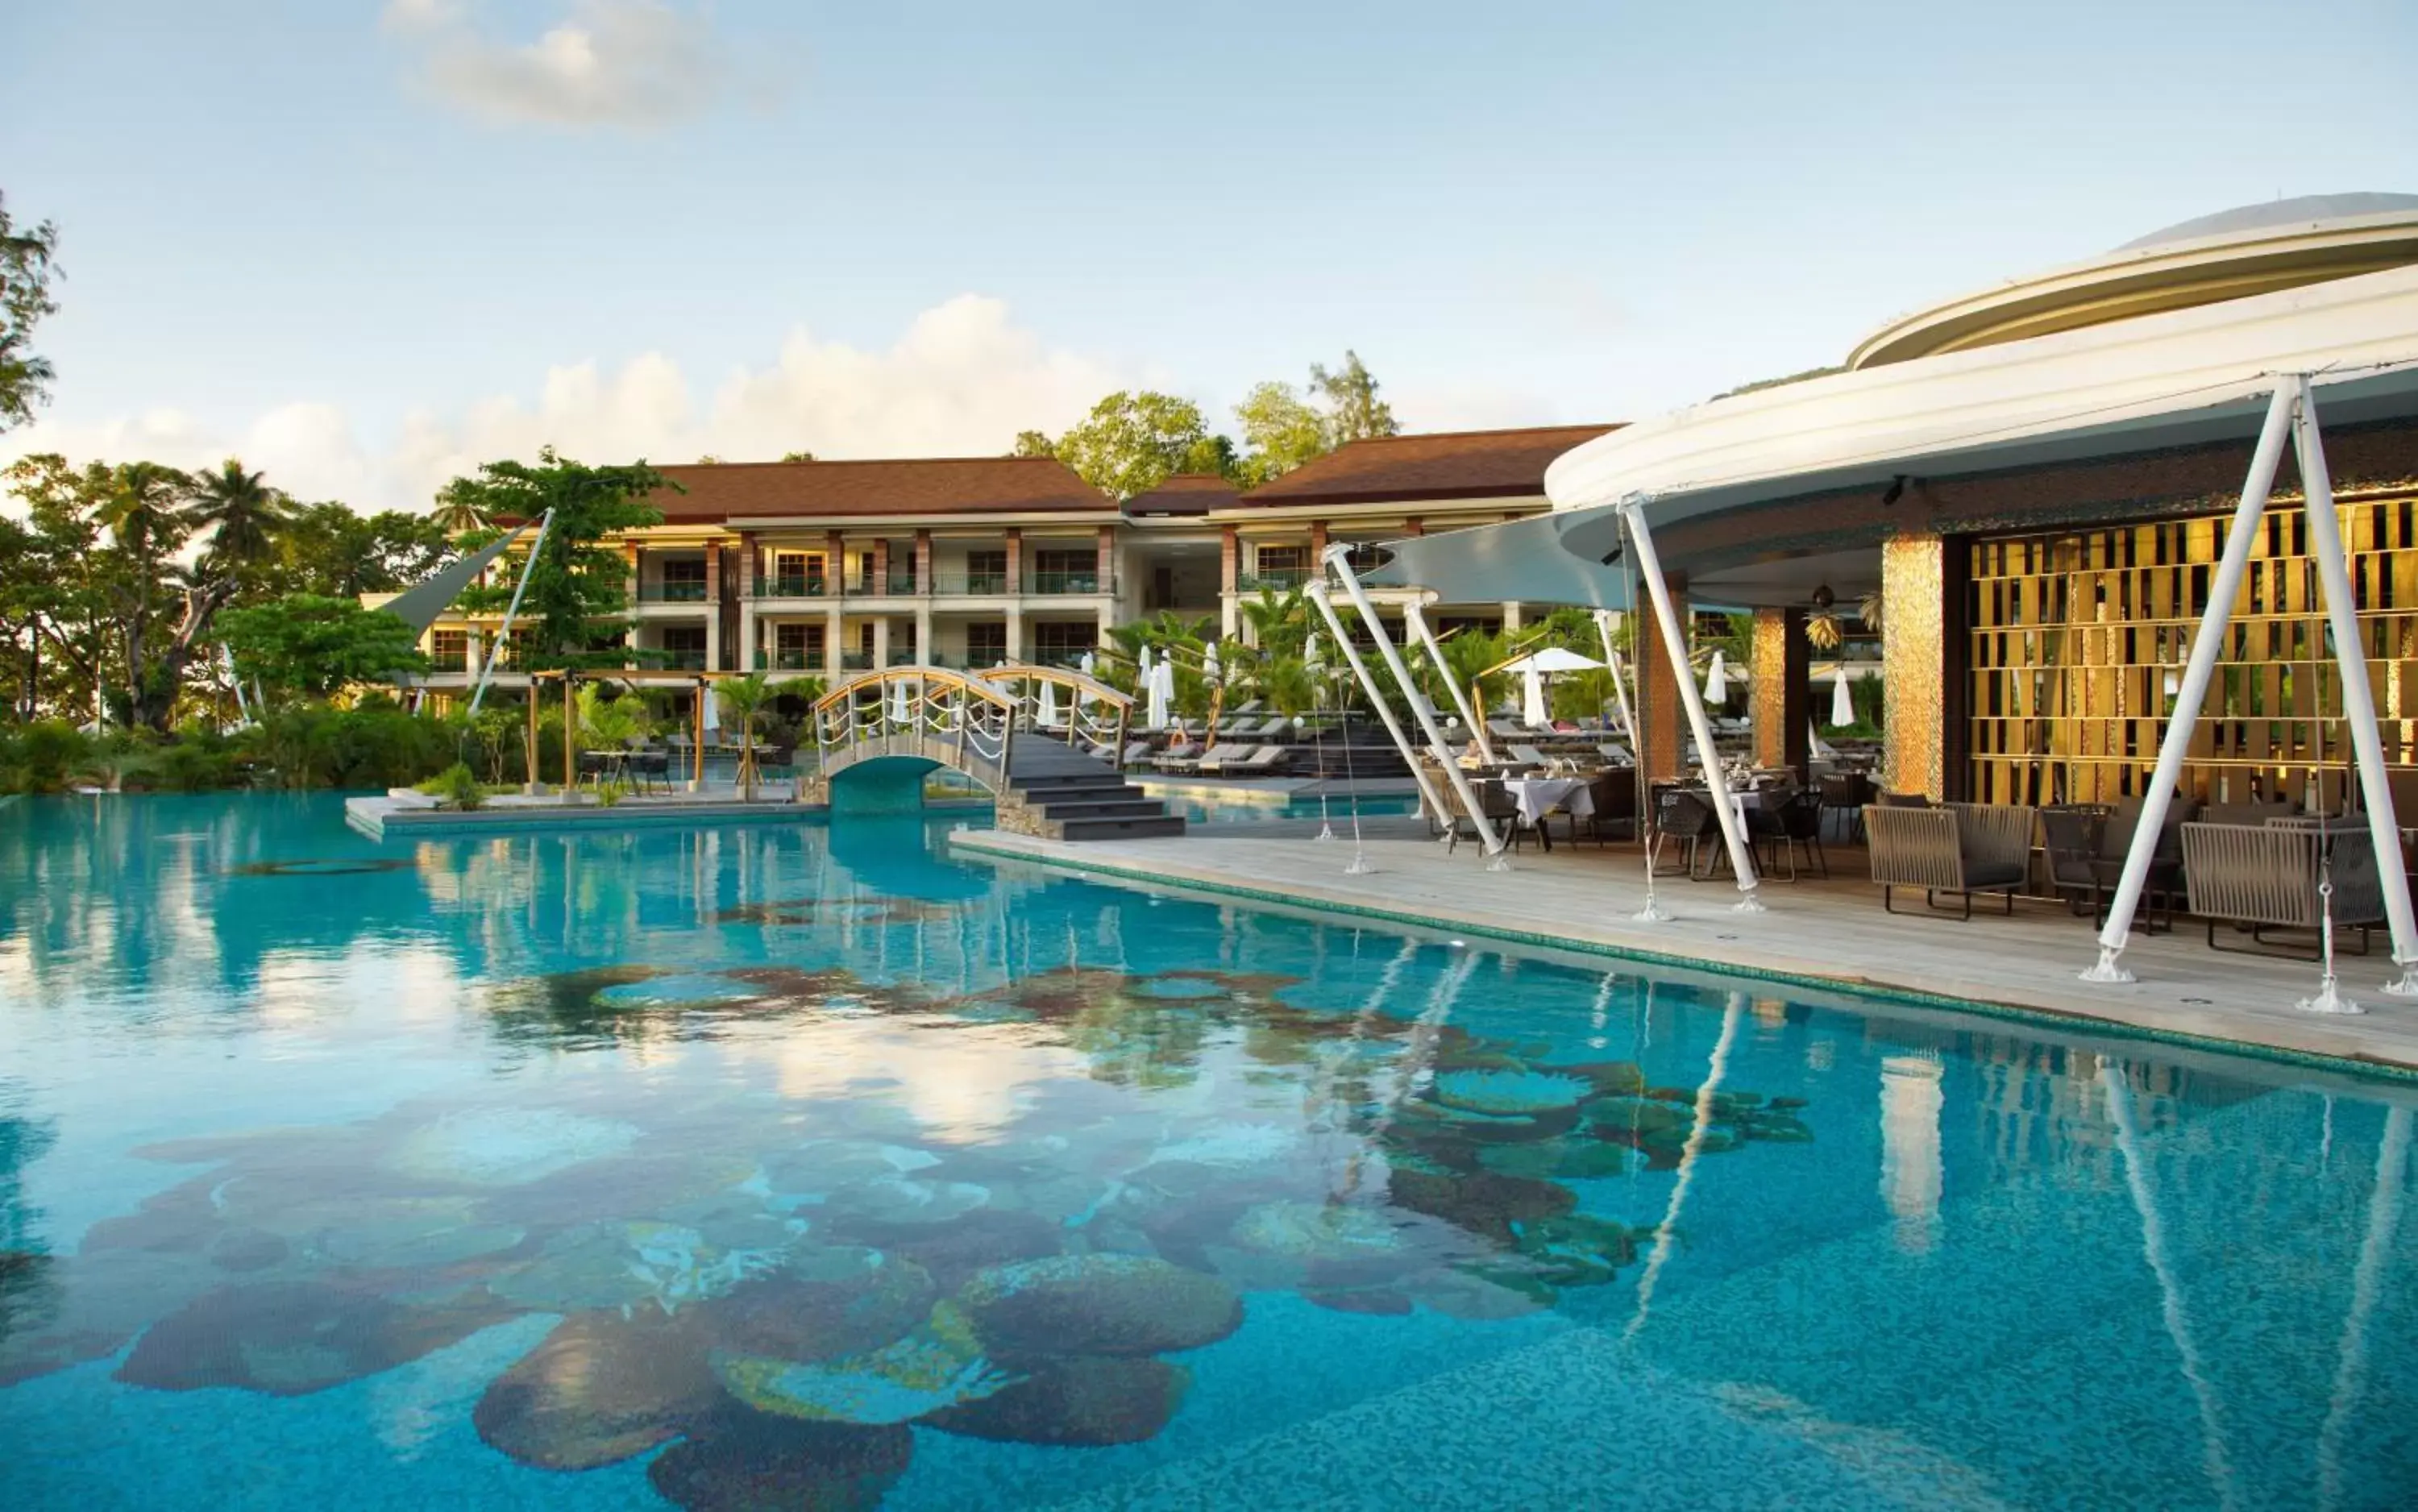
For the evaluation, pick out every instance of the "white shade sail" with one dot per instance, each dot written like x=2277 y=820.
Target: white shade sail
x=1547 y=559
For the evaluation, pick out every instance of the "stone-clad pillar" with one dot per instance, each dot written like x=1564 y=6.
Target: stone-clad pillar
x=1661 y=753
x=923 y=571
x=880 y=582
x=1782 y=664
x=1914 y=664
x=1015 y=560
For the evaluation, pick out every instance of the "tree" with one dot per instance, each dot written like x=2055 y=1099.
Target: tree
x=1132 y=442
x=339 y=553
x=797 y=456
x=141 y=508
x=25 y=272
x=243 y=517
x=742 y=700
x=577 y=607
x=309 y=645
x=457 y=507
x=1282 y=431
x=1353 y=411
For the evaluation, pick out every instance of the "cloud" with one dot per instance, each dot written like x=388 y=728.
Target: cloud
x=961 y=380
x=622 y=63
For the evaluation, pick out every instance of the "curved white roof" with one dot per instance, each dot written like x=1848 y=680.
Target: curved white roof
x=2160 y=380
x=2301 y=210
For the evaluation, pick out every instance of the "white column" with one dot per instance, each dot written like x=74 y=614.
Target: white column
x=1338 y=560
x=747 y=633
x=1435 y=800
x=835 y=628
x=1675 y=641
x=1418 y=620
x=924 y=648
x=1015 y=634
x=881 y=641
x=2223 y=589
x=713 y=640
x=1510 y=616
x=2358 y=698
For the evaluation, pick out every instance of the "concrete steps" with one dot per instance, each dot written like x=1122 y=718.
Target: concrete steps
x=1078 y=797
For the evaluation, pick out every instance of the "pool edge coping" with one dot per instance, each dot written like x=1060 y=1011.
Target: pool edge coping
x=992 y=845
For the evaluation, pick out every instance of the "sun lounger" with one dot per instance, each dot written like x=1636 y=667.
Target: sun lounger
x=1265 y=758
x=1219 y=754
x=1529 y=756
x=1270 y=727
x=1619 y=756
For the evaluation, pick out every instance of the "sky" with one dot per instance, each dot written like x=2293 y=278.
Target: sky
x=367 y=246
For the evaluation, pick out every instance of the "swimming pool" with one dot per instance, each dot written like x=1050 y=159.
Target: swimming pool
x=780 y=1166
x=1255 y=808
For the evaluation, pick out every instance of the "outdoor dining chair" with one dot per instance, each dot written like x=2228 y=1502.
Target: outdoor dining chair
x=1792 y=829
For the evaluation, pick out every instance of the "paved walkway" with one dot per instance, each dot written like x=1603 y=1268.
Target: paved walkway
x=1834 y=933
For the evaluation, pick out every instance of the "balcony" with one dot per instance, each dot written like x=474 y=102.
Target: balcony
x=856 y=660
x=965 y=583
x=896 y=586
x=1053 y=583
x=794 y=588
x=673 y=661
x=671 y=593
x=793 y=661
x=1275 y=579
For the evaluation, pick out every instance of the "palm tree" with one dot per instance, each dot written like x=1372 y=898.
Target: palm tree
x=140 y=511
x=243 y=515
x=1280 y=622
x=744 y=697
x=457 y=509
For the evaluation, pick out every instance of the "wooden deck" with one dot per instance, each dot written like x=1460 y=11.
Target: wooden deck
x=1831 y=933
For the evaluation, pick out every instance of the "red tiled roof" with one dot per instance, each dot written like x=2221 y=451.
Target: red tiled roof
x=1186 y=493
x=907 y=486
x=1439 y=465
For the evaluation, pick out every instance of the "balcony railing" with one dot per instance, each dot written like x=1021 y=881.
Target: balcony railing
x=793 y=661
x=970 y=582
x=794 y=588
x=856 y=660
x=671 y=593
x=675 y=661
x=1083 y=582
x=1281 y=579
x=897 y=585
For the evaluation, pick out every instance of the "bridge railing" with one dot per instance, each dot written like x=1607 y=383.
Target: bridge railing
x=927 y=711
x=1084 y=711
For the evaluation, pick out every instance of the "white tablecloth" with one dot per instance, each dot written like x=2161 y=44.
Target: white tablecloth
x=1540 y=796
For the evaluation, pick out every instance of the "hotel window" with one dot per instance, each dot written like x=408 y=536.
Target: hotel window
x=1066 y=572
x=986 y=571
x=684 y=648
x=683 y=580
x=797 y=574
x=797 y=647
x=449 y=650
x=986 y=642
x=1062 y=643
x=1283 y=566
x=1367 y=556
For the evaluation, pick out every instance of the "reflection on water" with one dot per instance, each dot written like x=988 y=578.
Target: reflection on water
x=783 y=1167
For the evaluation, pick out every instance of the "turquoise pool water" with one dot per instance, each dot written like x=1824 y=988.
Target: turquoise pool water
x=765 y=1167
x=1213 y=808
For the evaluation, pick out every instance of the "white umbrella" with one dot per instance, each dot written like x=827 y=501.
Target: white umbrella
x=1209 y=668
x=1310 y=651
x=1717 y=683
x=713 y=710
x=1160 y=683
x=1084 y=664
x=1048 y=715
x=901 y=714
x=1843 y=703
x=1531 y=697
x=1555 y=659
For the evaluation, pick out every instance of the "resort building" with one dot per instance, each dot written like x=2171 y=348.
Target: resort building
x=2037 y=480
x=829 y=568
x=1375 y=490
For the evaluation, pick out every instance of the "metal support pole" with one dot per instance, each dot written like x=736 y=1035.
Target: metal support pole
x=2223 y=589
x=1415 y=617
x=1619 y=686
x=1338 y=558
x=496 y=647
x=1435 y=800
x=569 y=737
x=528 y=756
x=1675 y=641
x=2359 y=698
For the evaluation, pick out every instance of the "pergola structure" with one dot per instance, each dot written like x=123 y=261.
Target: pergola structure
x=699 y=683
x=2264 y=366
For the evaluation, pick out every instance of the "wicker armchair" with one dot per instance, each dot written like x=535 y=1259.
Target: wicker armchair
x=1959 y=848
x=2265 y=877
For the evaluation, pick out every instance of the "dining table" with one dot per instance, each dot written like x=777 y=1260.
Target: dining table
x=1540 y=796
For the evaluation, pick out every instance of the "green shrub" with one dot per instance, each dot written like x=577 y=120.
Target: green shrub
x=41 y=758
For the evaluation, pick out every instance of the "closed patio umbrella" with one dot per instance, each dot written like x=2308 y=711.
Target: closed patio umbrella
x=1049 y=713
x=1531 y=697
x=1843 y=703
x=1161 y=682
x=1717 y=683
x=1085 y=663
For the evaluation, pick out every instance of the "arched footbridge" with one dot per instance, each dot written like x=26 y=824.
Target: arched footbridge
x=1049 y=745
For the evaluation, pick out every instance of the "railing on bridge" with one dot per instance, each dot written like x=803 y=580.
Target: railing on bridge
x=964 y=720
x=1089 y=714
